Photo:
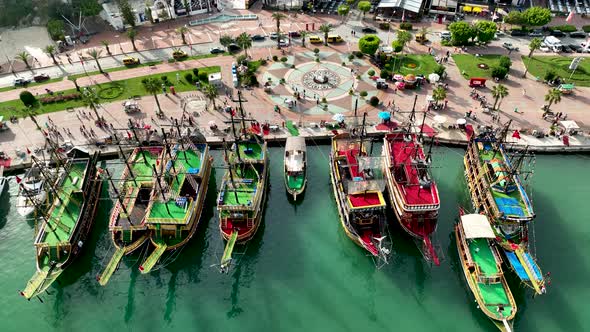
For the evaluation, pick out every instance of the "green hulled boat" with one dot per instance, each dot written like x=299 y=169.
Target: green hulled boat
x=67 y=222
x=482 y=267
x=243 y=192
x=295 y=166
x=127 y=222
x=175 y=207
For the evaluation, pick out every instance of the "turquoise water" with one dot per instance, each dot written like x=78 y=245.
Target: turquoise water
x=301 y=273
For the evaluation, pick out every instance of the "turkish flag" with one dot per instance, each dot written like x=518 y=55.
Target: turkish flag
x=18 y=180
x=28 y=151
x=570 y=17
x=516 y=134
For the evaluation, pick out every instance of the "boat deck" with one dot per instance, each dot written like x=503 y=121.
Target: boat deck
x=365 y=200
x=482 y=255
x=64 y=214
x=250 y=151
x=245 y=190
x=403 y=153
x=494 y=294
x=511 y=203
x=296 y=181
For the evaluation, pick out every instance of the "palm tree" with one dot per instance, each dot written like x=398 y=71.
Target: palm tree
x=499 y=92
x=95 y=54
x=553 y=97
x=278 y=17
x=105 y=43
x=182 y=31
x=303 y=34
x=244 y=41
x=534 y=45
x=326 y=28
x=24 y=57
x=225 y=40
x=211 y=93
x=132 y=33
x=91 y=100
x=153 y=85
x=439 y=94
x=403 y=37
x=424 y=31
x=50 y=50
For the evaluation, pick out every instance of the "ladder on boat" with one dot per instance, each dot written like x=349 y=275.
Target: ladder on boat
x=111 y=266
x=149 y=263
x=229 y=248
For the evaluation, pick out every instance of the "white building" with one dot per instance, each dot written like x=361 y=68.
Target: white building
x=215 y=80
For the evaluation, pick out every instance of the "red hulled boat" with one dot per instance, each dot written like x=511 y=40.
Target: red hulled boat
x=412 y=191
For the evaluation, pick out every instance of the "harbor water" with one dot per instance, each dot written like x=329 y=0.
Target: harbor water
x=301 y=273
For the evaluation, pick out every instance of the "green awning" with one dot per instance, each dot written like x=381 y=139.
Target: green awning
x=567 y=86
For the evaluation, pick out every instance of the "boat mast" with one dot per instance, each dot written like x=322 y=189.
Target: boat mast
x=118 y=194
x=161 y=189
x=231 y=176
x=242 y=111
x=172 y=160
x=422 y=127
x=362 y=133
x=128 y=166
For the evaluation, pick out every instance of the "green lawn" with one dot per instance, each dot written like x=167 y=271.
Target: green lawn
x=130 y=88
x=412 y=64
x=8 y=88
x=197 y=57
x=468 y=64
x=539 y=65
x=110 y=70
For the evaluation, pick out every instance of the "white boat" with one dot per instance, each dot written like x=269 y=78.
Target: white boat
x=295 y=166
x=31 y=192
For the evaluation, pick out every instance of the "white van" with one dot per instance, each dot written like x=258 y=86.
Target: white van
x=553 y=43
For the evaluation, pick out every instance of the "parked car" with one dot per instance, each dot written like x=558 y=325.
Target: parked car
x=369 y=30
x=216 y=50
x=517 y=33
x=578 y=34
x=284 y=42
x=21 y=81
x=544 y=48
x=558 y=33
x=294 y=34
x=179 y=54
x=41 y=77
x=130 y=61
x=510 y=47
x=274 y=35
x=445 y=35
x=233 y=47
x=500 y=34
x=258 y=37
x=564 y=49
x=536 y=33
x=576 y=48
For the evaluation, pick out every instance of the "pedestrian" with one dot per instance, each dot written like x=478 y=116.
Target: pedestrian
x=429 y=49
x=317 y=101
x=523 y=92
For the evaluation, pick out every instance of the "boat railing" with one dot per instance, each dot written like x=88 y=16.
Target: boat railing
x=365 y=185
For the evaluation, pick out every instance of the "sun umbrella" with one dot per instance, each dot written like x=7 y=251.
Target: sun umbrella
x=212 y=123
x=338 y=117
x=398 y=77
x=400 y=85
x=440 y=119
x=384 y=115
x=433 y=78
x=461 y=121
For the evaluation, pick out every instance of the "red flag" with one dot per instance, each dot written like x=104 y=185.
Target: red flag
x=570 y=17
x=516 y=134
x=28 y=151
x=18 y=180
x=129 y=135
x=157 y=162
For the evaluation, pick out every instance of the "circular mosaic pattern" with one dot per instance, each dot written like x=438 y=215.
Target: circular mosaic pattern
x=482 y=66
x=320 y=79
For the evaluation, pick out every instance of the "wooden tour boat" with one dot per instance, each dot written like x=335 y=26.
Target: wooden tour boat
x=494 y=179
x=67 y=222
x=295 y=166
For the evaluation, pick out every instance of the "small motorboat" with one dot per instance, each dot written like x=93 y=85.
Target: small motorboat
x=31 y=191
x=295 y=166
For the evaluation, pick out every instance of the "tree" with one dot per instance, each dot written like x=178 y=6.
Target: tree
x=88 y=7
x=499 y=92
x=350 y=2
x=397 y=46
x=148 y=14
x=244 y=41
x=27 y=98
x=343 y=10
x=24 y=57
x=534 y=45
x=499 y=72
x=439 y=93
x=486 y=30
x=326 y=28
x=91 y=100
x=536 y=16
x=369 y=44
x=277 y=17
x=553 y=96
x=364 y=7
x=303 y=34
x=424 y=31
x=403 y=37
x=55 y=28
x=95 y=54
x=225 y=40
x=439 y=70
x=211 y=93
x=127 y=13
x=50 y=50
x=105 y=43
x=182 y=31
x=461 y=32
x=186 y=6
x=505 y=61
x=153 y=86
x=132 y=33
x=515 y=17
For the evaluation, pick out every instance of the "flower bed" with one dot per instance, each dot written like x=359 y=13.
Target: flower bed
x=59 y=98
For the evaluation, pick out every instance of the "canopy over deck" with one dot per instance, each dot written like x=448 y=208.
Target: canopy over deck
x=476 y=226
